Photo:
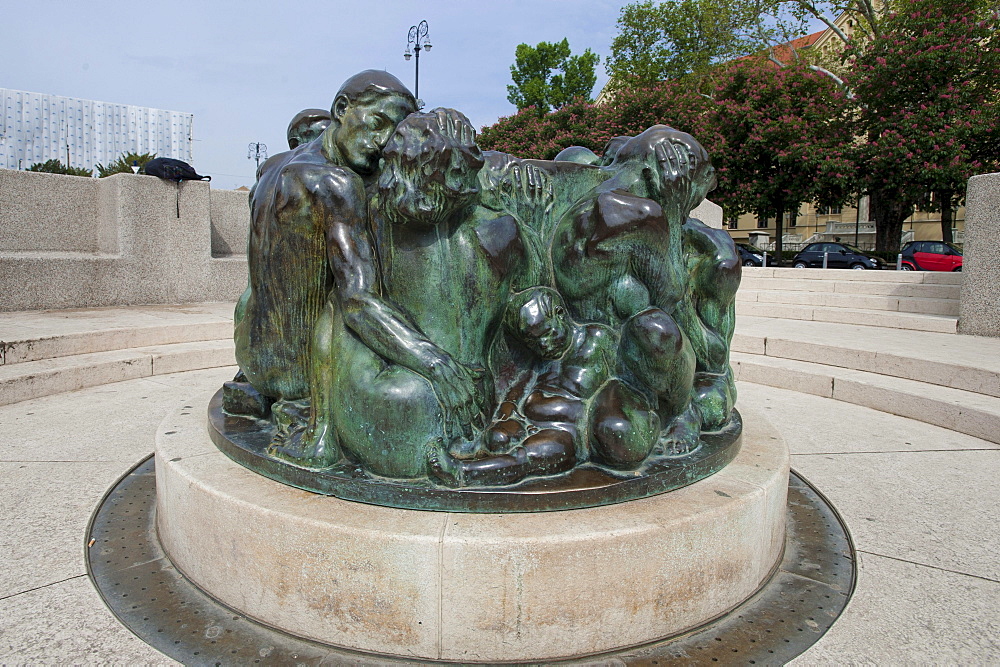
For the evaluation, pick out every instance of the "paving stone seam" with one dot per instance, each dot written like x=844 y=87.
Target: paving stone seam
x=38 y=588
x=905 y=451
x=932 y=567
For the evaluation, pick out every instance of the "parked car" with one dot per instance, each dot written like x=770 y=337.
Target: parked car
x=839 y=256
x=931 y=256
x=751 y=255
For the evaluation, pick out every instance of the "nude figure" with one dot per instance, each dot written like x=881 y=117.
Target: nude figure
x=448 y=264
x=310 y=252
x=618 y=252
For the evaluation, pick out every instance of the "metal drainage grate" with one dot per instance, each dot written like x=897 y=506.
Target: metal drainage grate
x=143 y=589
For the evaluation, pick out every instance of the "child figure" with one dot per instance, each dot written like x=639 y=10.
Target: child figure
x=576 y=408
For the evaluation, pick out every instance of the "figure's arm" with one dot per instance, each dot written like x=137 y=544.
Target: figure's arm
x=378 y=323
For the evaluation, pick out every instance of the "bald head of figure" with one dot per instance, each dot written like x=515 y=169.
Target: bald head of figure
x=364 y=115
x=306 y=126
x=372 y=83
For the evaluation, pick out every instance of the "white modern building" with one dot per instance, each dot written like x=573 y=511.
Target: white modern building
x=36 y=127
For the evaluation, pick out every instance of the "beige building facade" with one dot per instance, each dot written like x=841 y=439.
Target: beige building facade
x=851 y=224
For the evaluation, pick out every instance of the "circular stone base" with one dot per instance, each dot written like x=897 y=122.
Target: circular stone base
x=470 y=587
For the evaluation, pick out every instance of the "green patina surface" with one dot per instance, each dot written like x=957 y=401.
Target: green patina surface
x=424 y=315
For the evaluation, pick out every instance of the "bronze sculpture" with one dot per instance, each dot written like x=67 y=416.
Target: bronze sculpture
x=306 y=125
x=425 y=316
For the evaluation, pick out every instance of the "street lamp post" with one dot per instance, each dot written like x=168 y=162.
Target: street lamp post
x=418 y=39
x=257 y=151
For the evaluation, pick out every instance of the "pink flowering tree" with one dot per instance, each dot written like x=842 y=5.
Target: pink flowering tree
x=779 y=136
x=927 y=86
x=526 y=134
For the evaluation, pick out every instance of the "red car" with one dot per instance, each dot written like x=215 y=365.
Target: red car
x=931 y=256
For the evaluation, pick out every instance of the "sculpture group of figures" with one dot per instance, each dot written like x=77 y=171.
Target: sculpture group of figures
x=419 y=308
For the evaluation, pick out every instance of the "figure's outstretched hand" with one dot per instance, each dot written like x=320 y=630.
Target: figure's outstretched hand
x=459 y=389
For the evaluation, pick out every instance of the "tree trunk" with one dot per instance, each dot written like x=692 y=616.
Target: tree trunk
x=778 y=229
x=889 y=214
x=944 y=199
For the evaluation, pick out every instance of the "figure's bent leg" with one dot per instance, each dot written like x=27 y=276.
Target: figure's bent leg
x=623 y=429
x=715 y=279
x=658 y=353
x=387 y=418
x=659 y=356
x=714 y=397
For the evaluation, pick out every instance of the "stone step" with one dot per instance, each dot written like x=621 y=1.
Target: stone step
x=37 y=335
x=888 y=276
x=906 y=304
x=871 y=318
x=938 y=359
x=44 y=377
x=963 y=411
x=906 y=289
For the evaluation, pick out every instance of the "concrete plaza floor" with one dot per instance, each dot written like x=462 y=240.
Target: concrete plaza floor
x=921 y=503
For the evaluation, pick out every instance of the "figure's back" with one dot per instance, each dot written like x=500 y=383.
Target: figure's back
x=289 y=277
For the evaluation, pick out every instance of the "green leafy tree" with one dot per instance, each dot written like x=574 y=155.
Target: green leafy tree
x=636 y=107
x=927 y=88
x=123 y=165
x=56 y=167
x=548 y=76
x=668 y=40
x=909 y=62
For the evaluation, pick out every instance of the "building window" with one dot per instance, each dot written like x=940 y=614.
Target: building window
x=830 y=210
x=762 y=223
x=734 y=222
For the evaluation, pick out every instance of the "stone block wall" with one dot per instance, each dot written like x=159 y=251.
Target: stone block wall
x=710 y=213
x=72 y=242
x=979 y=310
x=230 y=215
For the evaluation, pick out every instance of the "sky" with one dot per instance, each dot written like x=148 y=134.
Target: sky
x=245 y=68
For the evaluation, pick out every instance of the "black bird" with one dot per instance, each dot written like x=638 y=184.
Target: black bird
x=173 y=170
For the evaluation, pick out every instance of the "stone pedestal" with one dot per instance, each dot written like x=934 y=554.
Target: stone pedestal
x=470 y=587
x=979 y=310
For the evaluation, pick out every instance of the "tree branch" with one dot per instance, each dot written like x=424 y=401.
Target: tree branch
x=836 y=79
x=815 y=11
x=867 y=10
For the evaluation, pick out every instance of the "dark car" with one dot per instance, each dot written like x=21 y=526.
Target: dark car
x=931 y=256
x=839 y=256
x=751 y=255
